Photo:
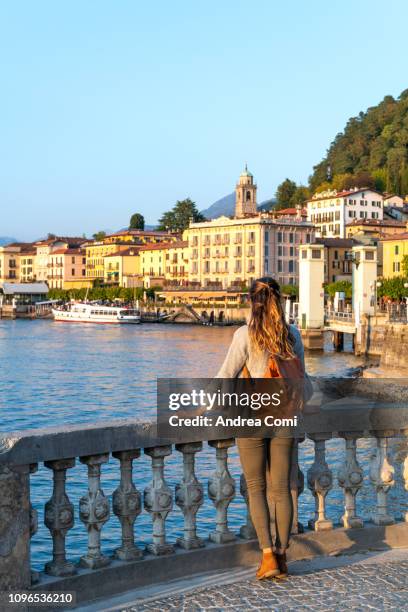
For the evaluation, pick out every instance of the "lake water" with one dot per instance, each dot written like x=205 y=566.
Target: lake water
x=57 y=373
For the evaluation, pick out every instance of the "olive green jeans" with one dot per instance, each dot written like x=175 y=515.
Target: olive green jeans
x=266 y=465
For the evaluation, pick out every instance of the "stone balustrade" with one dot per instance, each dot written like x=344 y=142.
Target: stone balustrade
x=125 y=441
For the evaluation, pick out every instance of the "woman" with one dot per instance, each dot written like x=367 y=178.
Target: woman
x=266 y=463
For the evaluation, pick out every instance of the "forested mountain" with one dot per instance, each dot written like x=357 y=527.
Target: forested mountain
x=372 y=148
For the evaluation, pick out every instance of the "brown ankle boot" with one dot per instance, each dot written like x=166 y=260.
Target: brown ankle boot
x=283 y=566
x=269 y=566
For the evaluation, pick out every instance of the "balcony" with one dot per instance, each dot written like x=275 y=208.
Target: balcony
x=59 y=448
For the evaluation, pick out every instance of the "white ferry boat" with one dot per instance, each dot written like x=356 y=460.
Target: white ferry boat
x=94 y=313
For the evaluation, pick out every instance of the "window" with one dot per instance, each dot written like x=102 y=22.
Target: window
x=280 y=236
x=248 y=196
x=315 y=253
x=73 y=260
x=292 y=251
x=280 y=265
x=369 y=256
x=73 y=272
x=266 y=250
x=291 y=237
x=308 y=238
x=396 y=250
x=280 y=251
x=336 y=255
x=291 y=266
x=266 y=236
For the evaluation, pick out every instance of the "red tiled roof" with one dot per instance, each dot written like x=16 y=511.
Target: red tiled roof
x=179 y=244
x=290 y=211
x=378 y=222
x=67 y=252
x=401 y=236
x=129 y=252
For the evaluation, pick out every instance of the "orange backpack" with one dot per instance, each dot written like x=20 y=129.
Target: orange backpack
x=293 y=373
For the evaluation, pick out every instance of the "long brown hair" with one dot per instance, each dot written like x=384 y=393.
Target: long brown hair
x=268 y=330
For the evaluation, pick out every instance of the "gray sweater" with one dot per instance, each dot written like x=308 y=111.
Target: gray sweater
x=240 y=353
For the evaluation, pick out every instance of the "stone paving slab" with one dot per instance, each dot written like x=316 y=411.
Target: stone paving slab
x=363 y=585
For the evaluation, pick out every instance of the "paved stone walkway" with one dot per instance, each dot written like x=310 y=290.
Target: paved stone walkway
x=360 y=586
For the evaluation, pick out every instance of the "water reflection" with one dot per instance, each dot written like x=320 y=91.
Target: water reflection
x=52 y=374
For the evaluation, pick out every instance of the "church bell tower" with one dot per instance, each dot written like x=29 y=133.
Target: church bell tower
x=245 y=195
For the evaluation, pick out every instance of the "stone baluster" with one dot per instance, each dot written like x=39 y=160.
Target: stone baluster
x=59 y=518
x=221 y=490
x=350 y=478
x=158 y=500
x=297 y=485
x=189 y=496
x=247 y=531
x=94 y=512
x=320 y=481
x=127 y=505
x=35 y=576
x=405 y=470
x=382 y=476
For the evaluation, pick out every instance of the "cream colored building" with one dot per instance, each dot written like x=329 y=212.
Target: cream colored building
x=67 y=269
x=44 y=251
x=122 y=268
x=165 y=263
x=230 y=252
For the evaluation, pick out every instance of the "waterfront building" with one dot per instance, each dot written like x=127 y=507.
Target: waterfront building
x=95 y=253
x=233 y=251
x=44 y=250
x=332 y=211
x=394 y=249
x=337 y=258
x=10 y=263
x=165 y=263
x=67 y=269
x=122 y=268
x=27 y=262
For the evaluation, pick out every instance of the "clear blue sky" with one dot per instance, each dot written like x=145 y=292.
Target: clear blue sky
x=109 y=108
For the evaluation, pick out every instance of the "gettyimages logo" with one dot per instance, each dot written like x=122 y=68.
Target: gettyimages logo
x=211 y=407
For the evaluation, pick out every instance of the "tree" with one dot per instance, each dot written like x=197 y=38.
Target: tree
x=284 y=193
x=405 y=265
x=342 y=286
x=178 y=218
x=99 y=235
x=137 y=222
x=300 y=195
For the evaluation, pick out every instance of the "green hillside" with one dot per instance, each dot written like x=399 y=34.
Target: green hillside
x=371 y=151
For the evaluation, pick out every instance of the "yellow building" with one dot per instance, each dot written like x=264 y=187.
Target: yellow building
x=95 y=253
x=10 y=264
x=395 y=248
x=27 y=263
x=165 y=263
x=122 y=268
